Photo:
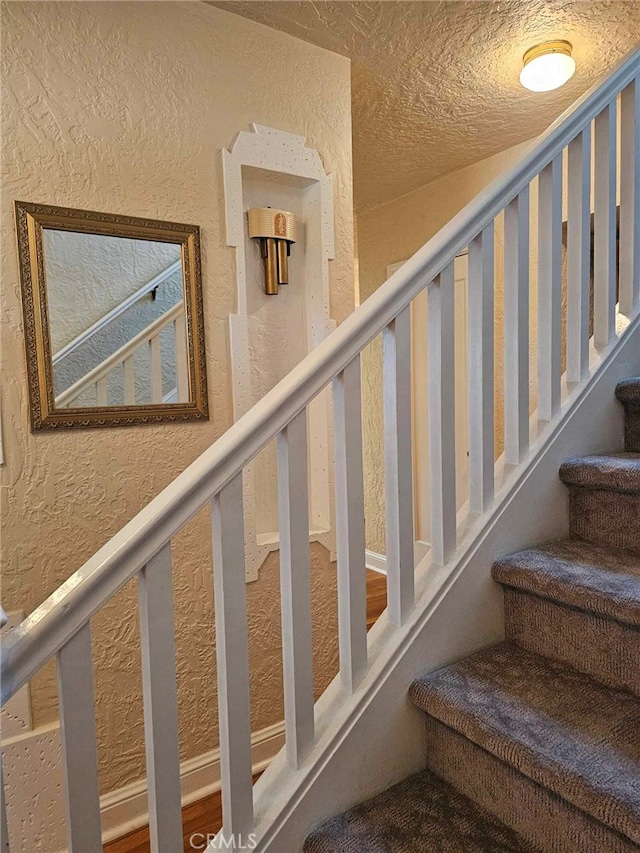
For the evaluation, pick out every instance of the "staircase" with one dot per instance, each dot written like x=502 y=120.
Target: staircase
x=534 y=744
x=529 y=743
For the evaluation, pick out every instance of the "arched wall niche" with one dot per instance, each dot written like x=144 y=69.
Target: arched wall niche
x=269 y=335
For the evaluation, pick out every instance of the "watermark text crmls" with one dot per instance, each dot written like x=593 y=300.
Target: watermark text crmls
x=201 y=840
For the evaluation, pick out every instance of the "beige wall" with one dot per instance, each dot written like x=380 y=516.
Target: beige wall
x=124 y=107
x=393 y=232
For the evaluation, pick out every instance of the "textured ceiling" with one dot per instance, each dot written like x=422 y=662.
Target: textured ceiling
x=435 y=84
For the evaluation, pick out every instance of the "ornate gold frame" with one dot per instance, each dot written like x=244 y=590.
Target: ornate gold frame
x=30 y=220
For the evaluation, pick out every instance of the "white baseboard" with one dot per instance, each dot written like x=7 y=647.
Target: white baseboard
x=126 y=809
x=378 y=562
x=375 y=562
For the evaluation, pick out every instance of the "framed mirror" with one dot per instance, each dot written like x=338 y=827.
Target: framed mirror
x=113 y=318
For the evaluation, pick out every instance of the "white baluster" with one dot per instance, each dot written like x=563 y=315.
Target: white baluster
x=101 y=392
x=232 y=655
x=442 y=446
x=129 y=381
x=350 y=542
x=549 y=289
x=295 y=588
x=5 y=846
x=630 y=199
x=160 y=703
x=396 y=359
x=480 y=360
x=79 y=749
x=516 y=328
x=182 y=368
x=155 y=361
x=604 y=295
x=578 y=256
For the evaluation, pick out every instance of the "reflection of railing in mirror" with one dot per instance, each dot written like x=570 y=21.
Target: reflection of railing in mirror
x=119 y=309
x=124 y=358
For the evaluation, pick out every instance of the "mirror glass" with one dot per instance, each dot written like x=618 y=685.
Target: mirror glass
x=113 y=318
x=116 y=320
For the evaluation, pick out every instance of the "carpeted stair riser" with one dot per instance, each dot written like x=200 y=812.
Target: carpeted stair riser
x=558 y=631
x=605 y=517
x=628 y=392
x=543 y=819
x=561 y=729
x=421 y=813
x=632 y=430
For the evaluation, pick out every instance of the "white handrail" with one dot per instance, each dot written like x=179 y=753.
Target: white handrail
x=105 y=367
x=54 y=622
x=119 y=309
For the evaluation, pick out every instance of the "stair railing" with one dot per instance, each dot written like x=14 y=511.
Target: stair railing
x=116 y=312
x=125 y=358
x=60 y=627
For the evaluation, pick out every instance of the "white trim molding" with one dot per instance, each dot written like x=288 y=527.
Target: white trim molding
x=376 y=562
x=283 y=158
x=126 y=809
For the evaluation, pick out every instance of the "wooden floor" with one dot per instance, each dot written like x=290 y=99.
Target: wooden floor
x=205 y=816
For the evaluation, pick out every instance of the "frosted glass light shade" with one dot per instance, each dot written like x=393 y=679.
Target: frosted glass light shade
x=547 y=66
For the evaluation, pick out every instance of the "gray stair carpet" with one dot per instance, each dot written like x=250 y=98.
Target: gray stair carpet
x=419 y=814
x=534 y=744
x=628 y=392
x=557 y=595
x=554 y=725
x=604 y=498
x=601 y=580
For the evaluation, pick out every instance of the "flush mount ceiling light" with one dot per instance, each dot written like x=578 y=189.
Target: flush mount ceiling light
x=547 y=66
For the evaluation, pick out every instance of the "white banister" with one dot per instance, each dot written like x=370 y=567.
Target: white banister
x=160 y=700
x=350 y=543
x=102 y=391
x=217 y=473
x=516 y=328
x=295 y=588
x=605 y=228
x=232 y=655
x=630 y=198
x=578 y=256
x=550 y=289
x=442 y=422
x=129 y=381
x=396 y=361
x=155 y=362
x=480 y=360
x=79 y=749
x=119 y=356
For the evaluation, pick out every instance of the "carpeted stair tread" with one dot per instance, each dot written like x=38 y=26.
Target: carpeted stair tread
x=420 y=814
x=601 y=580
x=628 y=391
x=618 y=472
x=558 y=727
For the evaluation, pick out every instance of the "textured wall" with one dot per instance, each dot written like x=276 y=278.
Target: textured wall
x=123 y=107
x=393 y=232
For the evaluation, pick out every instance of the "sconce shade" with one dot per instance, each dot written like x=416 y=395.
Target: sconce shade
x=276 y=231
x=271 y=222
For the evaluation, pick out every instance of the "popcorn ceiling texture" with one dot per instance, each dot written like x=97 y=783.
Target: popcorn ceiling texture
x=123 y=108
x=435 y=84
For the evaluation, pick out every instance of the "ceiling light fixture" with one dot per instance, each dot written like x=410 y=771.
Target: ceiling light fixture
x=547 y=66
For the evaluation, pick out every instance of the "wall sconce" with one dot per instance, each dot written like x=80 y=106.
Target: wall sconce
x=276 y=230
